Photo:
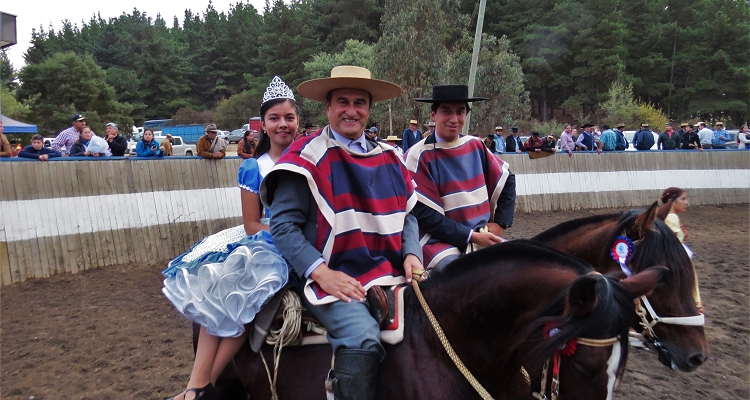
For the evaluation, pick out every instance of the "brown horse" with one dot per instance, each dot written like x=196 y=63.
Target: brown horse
x=486 y=301
x=677 y=325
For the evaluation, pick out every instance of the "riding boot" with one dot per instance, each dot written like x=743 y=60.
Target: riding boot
x=356 y=375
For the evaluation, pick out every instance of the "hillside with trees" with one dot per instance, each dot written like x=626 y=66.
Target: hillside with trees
x=540 y=59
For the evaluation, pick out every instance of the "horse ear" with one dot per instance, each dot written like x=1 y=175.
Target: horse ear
x=643 y=222
x=644 y=282
x=582 y=297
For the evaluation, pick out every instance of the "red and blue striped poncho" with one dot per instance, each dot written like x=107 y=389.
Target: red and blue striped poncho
x=362 y=202
x=461 y=180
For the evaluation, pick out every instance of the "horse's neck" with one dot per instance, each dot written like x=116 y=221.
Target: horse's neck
x=589 y=243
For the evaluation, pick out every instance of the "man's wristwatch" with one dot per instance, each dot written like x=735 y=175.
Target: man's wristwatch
x=504 y=226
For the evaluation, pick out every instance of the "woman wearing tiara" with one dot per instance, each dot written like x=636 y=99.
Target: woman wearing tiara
x=222 y=281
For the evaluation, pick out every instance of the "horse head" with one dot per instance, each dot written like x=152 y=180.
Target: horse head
x=586 y=345
x=675 y=325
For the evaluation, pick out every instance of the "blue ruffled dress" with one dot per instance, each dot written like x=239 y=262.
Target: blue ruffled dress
x=223 y=280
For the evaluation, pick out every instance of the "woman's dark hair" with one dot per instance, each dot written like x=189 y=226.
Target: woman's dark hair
x=667 y=198
x=264 y=142
x=434 y=107
x=143 y=138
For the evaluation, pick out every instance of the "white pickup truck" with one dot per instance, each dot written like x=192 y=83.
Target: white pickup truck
x=179 y=148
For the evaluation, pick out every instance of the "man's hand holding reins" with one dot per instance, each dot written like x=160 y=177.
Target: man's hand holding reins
x=411 y=263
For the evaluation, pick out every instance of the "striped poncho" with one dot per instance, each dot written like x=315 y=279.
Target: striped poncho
x=362 y=202
x=461 y=180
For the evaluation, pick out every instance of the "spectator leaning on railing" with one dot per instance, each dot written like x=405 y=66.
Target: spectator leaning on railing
x=147 y=146
x=36 y=150
x=210 y=145
x=705 y=135
x=622 y=141
x=669 y=139
x=69 y=136
x=117 y=143
x=689 y=138
x=608 y=140
x=567 y=143
x=721 y=137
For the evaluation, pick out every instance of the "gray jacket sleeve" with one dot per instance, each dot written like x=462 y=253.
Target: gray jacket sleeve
x=292 y=228
x=410 y=238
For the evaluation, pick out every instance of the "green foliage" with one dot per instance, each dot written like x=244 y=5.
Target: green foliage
x=11 y=107
x=652 y=115
x=65 y=84
x=235 y=111
x=7 y=73
x=621 y=107
x=553 y=127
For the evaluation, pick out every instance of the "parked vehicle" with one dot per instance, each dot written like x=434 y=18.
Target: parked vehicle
x=235 y=136
x=253 y=124
x=179 y=148
x=223 y=135
x=188 y=133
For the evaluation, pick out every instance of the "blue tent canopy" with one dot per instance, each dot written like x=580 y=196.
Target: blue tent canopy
x=13 y=126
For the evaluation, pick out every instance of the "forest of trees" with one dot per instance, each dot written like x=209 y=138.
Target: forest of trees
x=688 y=58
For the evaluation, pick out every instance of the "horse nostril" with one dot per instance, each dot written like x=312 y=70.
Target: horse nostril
x=696 y=360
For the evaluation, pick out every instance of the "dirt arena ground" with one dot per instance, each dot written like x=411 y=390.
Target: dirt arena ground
x=110 y=334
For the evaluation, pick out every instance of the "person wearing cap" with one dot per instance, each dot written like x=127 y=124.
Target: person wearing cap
x=67 y=137
x=373 y=134
x=548 y=144
x=669 y=139
x=689 y=139
x=166 y=145
x=466 y=194
x=705 y=135
x=621 y=140
x=608 y=140
x=117 y=143
x=430 y=129
x=210 y=145
x=585 y=140
x=411 y=135
x=513 y=143
x=721 y=137
x=643 y=139
x=345 y=248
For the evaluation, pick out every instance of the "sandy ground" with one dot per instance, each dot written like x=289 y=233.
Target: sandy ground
x=110 y=334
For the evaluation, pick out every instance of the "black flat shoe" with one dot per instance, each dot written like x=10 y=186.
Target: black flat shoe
x=207 y=392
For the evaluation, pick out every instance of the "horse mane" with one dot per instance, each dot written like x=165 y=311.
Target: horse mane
x=567 y=226
x=611 y=316
x=659 y=246
x=476 y=262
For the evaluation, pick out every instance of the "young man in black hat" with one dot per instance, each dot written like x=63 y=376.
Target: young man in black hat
x=513 y=143
x=455 y=204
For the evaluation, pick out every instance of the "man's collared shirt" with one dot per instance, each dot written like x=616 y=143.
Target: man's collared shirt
x=358 y=145
x=66 y=138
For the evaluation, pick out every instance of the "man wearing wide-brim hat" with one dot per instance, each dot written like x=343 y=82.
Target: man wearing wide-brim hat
x=690 y=139
x=411 y=135
x=341 y=215
x=721 y=136
x=462 y=186
x=585 y=140
x=498 y=140
x=643 y=139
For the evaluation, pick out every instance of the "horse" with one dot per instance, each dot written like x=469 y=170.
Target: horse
x=675 y=324
x=486 y=301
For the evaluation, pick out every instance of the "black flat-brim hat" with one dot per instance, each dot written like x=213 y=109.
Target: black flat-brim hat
x=450 y=94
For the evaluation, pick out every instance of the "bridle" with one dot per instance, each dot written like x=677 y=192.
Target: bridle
x=643 y=307
x=554 y=388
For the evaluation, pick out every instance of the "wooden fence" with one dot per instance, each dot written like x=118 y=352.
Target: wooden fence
x=65 y=216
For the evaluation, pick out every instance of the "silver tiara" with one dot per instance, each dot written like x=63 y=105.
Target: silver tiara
x=277 y=90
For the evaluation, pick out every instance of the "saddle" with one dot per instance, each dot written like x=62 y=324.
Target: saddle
x=386 y=307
